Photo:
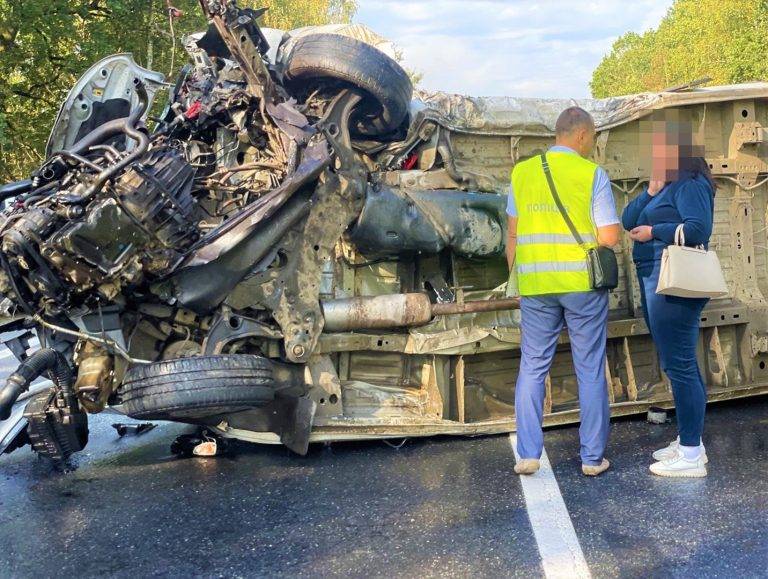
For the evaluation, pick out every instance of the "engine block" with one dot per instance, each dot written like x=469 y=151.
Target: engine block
x=61 y=254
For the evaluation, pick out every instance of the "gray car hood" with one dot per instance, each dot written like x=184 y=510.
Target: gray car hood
x=108 y=81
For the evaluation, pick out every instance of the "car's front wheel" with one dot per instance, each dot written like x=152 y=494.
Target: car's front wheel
x=197 y=387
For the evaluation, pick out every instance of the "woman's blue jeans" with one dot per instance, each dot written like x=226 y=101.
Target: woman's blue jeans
x=674 y=325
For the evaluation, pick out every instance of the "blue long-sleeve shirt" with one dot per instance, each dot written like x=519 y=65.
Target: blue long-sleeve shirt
x=689 y=201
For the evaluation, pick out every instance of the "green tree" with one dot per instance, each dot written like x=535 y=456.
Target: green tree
x=721 y=39
x=45 y=45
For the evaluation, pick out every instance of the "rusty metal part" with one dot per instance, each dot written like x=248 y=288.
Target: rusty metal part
x=94 y=376
x=399 y=310
x=378 y=312
x=182 y=349
x=476 y=307
x=231 y=328
x=325 y=387
x=337 y=202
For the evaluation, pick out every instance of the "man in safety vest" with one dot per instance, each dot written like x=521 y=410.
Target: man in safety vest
x=555 y=288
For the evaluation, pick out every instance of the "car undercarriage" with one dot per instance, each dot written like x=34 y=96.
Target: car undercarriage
x=296 y=251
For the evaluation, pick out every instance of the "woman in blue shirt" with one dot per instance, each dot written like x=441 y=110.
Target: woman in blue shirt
x=681 y=191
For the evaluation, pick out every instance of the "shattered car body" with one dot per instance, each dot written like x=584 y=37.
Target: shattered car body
x=297 y=253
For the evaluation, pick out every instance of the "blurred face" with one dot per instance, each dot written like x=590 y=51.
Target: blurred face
x=665 y=153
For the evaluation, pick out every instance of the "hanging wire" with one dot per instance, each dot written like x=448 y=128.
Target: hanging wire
x=395 y=446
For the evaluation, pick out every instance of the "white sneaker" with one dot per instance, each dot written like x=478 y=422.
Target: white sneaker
x=680 y=467
x=670 y=451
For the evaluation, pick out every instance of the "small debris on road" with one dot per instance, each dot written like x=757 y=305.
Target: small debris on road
x=134 y=429
x=202 y=444
x=657 y=415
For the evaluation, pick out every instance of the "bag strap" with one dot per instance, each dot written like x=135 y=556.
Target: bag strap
x=680 y=235
x=558 y=202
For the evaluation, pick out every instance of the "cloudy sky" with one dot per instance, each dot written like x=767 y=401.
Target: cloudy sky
x=545 y=48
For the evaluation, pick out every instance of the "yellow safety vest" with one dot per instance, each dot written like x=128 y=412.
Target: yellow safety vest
x=548 y=258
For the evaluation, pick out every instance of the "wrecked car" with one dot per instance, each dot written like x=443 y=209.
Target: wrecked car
x=299 y=250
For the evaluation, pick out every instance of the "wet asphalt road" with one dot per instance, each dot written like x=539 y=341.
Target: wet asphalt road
x=441 y=507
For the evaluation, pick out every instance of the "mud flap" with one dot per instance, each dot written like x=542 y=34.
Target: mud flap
x=294 y=423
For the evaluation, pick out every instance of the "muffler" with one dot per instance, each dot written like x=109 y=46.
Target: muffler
x=399 y=311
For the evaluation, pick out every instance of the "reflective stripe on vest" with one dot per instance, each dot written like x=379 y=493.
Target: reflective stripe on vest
x=548 y=258
x=554 y=238
x=552 y=266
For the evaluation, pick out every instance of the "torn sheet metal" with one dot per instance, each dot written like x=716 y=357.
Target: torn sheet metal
x=537 y=116
x=446 y=335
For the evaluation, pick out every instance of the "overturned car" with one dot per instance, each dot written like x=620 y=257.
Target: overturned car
x=298 y=251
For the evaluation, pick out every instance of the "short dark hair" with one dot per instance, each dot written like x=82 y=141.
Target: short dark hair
x=573 y=118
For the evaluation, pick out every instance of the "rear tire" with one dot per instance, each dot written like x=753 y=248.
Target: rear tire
x=320 y=60
x=197 y=387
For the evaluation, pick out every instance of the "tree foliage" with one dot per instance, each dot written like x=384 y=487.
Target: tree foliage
x=721 y=39
x=45 y=45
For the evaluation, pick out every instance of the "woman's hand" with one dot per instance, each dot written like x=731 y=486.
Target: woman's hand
x=655 y=186
x=642 y=233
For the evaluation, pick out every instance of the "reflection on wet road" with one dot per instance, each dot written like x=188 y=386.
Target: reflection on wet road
x=439 y=507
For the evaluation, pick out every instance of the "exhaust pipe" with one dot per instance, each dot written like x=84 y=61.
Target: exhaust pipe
x=399 y=311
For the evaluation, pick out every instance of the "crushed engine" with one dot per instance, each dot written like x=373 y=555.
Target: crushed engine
x=66 y=250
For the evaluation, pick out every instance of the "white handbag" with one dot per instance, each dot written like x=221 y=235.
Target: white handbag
x=690 y=272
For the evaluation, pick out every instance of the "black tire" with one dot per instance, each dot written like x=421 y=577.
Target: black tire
x=197 y=387
x=319 y=59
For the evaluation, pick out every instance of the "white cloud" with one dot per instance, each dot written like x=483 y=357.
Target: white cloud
x=511 y=47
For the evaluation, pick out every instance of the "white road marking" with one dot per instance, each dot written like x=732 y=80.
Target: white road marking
x=559 y=547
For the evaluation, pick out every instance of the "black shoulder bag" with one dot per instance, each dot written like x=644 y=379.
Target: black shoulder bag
x=602 y=264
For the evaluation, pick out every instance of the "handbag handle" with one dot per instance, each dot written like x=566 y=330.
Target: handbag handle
x=556 y=197
x=680 y=237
